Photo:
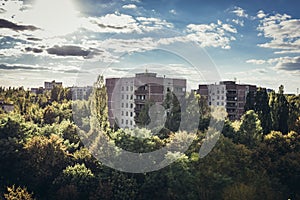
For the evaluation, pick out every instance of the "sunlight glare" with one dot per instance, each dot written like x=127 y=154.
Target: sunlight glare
x=55 y=17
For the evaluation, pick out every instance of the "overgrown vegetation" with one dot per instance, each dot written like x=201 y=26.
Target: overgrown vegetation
x=42 y=156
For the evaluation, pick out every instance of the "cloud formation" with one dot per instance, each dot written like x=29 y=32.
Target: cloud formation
x=68 y=50
x=240 y=12
x=13 y=26
x=256 y=62
x=283 y=32
x=129 y=6
x=212 y=35
x=290 y=64
x=19 y=67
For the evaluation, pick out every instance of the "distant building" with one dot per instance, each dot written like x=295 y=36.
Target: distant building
x=128 y=96
x=6 y=107
x=39 y=90
x=81 y=93
x=50 y=85
x=228 y=94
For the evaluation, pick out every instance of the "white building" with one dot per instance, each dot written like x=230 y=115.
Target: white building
x=121 y=101
x=217 y=95
x=128 y=96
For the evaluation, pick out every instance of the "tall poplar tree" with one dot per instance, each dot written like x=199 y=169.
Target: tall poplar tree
x=99 y=104
x=279 y=111
x=262 y=109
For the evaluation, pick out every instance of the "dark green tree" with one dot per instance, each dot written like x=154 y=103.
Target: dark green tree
x=250 y=131
x=172 y=106
x=262 y=109
x=57 y=93
x=143 y=117
x=279 y=111
x=294 y=113
x=250 y=101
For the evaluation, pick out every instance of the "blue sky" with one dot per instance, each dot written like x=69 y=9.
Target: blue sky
x=255 y=42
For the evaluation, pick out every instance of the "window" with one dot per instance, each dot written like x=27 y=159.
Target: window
x=122 y=113
x=122 y=88
x=131 y=88
x=122 y=105
x=131 y=114
x=131 y=96
x=126 y=121
x=217 y=103
x=127 y=88
x=218 y=97
x=131 y=105
x=127 y=96
x=126 y=105
x=130 y=122
x=122 y=121
x=126 y=113
x=122 y=96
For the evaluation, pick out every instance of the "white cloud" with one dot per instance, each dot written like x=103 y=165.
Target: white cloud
x=151 y=23
x=229 y=28
x=256 y=62
x=122 y=23
x=240 y=12
x=261 y=14
x=173 y=12
x=114 y=23
x=287 y=63
x=211 y=35
x=129 y=45
x=283 y=32
x=238 y=22
x=129 y=6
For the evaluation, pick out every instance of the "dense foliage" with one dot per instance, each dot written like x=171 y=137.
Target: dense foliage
x=43 y=157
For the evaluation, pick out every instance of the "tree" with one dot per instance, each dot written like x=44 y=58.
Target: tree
x=262 y=109
x=279 y=111
x=294 y=113
x=250 y=132
x=173 y=108
x=45 y=158
x=50 y=116
x=57 y=93
x=78 y=177
x=18 y=193
x=99 y=104
x=143 y=118
x=250 y=101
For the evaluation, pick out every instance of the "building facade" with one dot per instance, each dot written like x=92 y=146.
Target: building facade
x=81 y=93
x=128 y=96
x=6 y=107
x=50 y=85
x=228 y=94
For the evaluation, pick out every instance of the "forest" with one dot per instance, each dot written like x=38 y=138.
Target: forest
x=43 y=155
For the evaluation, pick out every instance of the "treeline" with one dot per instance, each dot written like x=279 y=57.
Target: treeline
x=43 y=157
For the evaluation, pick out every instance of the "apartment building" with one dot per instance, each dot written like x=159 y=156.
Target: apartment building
x=81 y=93
x=228 y=94
x=128 y=96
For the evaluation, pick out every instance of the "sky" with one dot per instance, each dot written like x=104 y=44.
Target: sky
x=73 y=41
